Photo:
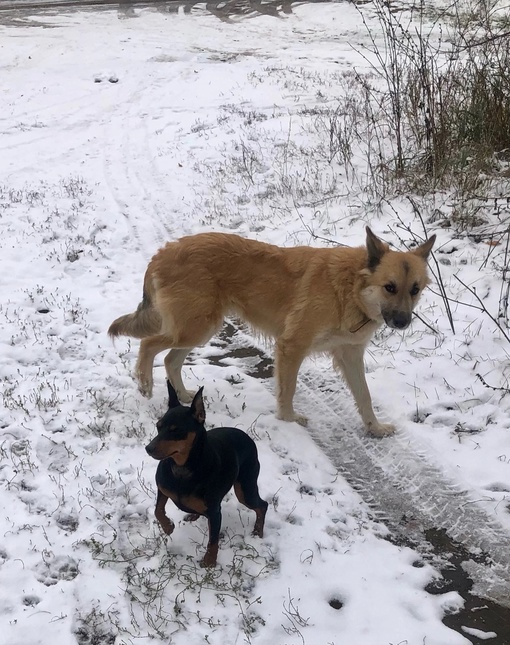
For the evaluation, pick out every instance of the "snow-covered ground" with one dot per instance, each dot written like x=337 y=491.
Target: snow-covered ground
x=120 y=130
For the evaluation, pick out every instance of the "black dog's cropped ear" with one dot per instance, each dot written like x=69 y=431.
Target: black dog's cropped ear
x=424 y=249
x=376 y=248
x=173 y=401
x=197 y=407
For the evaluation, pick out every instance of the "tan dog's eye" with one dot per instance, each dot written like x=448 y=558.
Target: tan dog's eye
x=415 y=290
x=390 y=287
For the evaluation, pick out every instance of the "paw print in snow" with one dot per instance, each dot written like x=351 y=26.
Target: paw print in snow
x=55 y=568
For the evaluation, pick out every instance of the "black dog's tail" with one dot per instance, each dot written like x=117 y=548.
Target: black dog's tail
x=145 y=321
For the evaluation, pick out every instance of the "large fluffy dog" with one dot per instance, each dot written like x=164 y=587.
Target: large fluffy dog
x=308 y=299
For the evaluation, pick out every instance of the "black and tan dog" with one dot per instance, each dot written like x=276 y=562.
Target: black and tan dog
x=325 y=300
x=197 y=469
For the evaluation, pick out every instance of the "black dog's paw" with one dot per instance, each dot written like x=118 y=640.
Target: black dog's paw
x=210 y=557
x=167 y=525
x=191 y=517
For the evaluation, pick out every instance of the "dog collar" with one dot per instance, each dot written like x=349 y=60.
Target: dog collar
x=361 y=325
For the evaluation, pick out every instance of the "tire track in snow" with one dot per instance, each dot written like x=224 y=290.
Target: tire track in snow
x=395 y=477
x=407 y=492
x=132 y=177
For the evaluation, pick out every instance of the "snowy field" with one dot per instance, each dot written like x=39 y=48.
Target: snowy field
x=119 y=131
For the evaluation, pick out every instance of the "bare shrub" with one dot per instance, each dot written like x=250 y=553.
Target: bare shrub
x=442 y=101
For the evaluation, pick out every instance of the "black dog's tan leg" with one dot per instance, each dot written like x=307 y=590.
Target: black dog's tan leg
x=247 y=492
x=349 y=359
x=191 y=517
x=211 y=554
x=166 y=524
x=258 y=529
x=288 y=360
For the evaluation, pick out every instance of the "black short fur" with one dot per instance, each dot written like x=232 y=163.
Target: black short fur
x=197 y=469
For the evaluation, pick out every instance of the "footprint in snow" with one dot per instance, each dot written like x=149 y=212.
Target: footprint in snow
x=111 y=78
x=53 y=569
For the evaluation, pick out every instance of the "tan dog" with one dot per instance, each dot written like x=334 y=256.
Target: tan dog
x=308 y=299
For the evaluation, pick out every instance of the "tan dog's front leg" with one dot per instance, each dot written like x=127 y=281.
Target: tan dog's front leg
x=349 y=359
x=288 y=360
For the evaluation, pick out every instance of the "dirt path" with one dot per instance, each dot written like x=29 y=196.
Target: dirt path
x=11 y=10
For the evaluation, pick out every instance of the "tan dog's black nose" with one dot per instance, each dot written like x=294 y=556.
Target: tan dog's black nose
x=401 y=320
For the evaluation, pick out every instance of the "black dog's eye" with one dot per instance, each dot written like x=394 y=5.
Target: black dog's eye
x=415 y=290
x=178 y=436
x=161 y=426
x=390 y=287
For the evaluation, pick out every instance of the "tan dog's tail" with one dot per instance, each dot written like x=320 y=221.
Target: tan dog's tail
x=145 y=321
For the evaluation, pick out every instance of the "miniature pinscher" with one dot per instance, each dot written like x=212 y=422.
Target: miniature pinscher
x=197 y=469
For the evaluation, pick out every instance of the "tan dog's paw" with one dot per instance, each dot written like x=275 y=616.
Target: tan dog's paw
x=380 y=429
x=145 y=383
x=145 y=388
x=293 y=417
x=185 y=396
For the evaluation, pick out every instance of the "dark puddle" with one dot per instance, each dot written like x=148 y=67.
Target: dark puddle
x=477 y=613
x=255 y=362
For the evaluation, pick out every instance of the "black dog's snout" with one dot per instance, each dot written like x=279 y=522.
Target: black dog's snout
x=149 y=448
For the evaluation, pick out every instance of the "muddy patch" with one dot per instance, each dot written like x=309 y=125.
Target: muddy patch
x=480 y=620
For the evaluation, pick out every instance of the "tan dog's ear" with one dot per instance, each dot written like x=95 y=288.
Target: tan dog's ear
x=424 y=249
x=376 y=249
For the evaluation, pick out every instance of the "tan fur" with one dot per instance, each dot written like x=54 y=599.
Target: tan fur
x=308 y=299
